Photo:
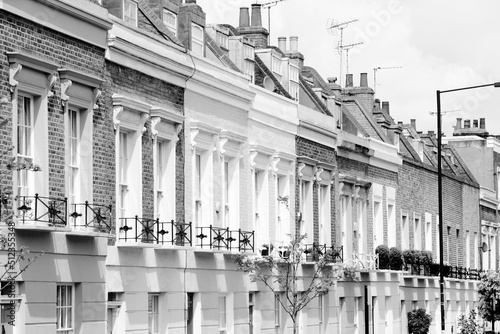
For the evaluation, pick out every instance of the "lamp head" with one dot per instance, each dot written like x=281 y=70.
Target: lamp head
x=496 y=84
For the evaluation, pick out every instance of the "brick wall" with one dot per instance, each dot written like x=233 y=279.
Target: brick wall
x=20 y=35
x=324 y=154
x=123 y=80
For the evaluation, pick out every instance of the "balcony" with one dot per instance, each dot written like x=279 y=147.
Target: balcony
x=50 y=212
x=333 y=253
x=153 y=231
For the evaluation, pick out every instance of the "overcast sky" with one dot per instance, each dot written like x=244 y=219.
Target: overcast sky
x=441 y=44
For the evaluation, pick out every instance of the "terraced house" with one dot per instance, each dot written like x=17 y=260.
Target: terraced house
x=143 y=147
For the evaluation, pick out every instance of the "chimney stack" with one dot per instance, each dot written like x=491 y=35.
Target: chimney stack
x=363 y=81
x=294 y=44
x=282 y=43
x=385 y=106
x=413 y=124
x=244 y=17
x=348 y=80
x=459 y=124
x=482 y=123
x=467 y=124
x=256 y=15
x=400 y=123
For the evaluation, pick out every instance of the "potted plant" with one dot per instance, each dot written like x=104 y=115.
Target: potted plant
x=284 y=252
x=312 y=253
x=425 y=260
x=395 y=258
x=383 y=256
x=411 y=260
x=266 y=249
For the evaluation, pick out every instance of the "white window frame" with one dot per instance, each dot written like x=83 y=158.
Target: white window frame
x=324 y=177
x=428 y=231
x=34 y=78
x=391 y=217
x=130 y=16
x=417 y=232
x=306 y=175
x=153 y=313
x=197 y=39
x=277 y=310
x=171 y=25
x=63 y=326
x=129 y=116
x=293 y=87
x=222 y=39
x=25 y=143
x=166 y=125
x=74 y=155
x=222 y=312
x=378 y=217
x=405 y=231
x=276 y=65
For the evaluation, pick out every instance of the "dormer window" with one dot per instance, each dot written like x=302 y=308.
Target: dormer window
x=276 y=65
x=170 y=20
x=222 y=40
x=130 y=12
x=248 y=52
x=197 y=40
x=294 y=82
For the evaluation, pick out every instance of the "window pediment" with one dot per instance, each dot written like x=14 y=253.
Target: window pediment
x=130 y=113
x=37 y=76
x=203 y=135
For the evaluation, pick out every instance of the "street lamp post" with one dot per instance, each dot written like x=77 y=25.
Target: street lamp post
x=440 y=191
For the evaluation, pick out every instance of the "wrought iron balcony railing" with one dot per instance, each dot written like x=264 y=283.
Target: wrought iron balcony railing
x=433 y=269
x=212 y=237
x=92 y=215
x=53 y=211
x=316 y=251
x=153 y=231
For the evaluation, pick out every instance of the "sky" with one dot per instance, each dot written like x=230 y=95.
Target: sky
x=421 y=46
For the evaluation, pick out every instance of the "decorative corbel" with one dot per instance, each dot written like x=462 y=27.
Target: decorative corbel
x=144 y=118
x=273 y=165
x=355 y=194
x=253 y=155
x=51 y=81
x=65 y=85
x=317 y=174
x=300 y=167
x=14 y=70
x=222 y=142
x=96 y=94
x=341 y=187
x=178 y=129
x=193 y=134
x=154 y=122
x=116 y=112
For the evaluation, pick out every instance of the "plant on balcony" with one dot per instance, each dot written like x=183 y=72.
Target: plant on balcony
x=312 y=253
x=285 y=276
x=284 y=252
x=425 y=261
x=395 y=258
x=419 y=321
x=383 y=256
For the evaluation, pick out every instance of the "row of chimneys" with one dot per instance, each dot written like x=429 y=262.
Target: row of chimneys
x=363 y=80
x=256 y=16
x=294 y=44
x=482 y=124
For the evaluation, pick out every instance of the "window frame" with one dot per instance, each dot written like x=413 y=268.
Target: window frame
x=133 y=10
x=61 y=308
x=154 y=312
x=197 y=40
x=171 y=26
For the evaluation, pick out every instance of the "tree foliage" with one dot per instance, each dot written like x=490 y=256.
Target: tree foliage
x=489 y=295
x=419 y=321
x=282 y=275
x=469 y=325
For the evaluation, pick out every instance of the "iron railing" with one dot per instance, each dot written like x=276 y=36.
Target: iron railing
x=92 y=215
x=50 y=210
x=334 y=253
x=448 y=271
x=153 y=231
x=220 y=238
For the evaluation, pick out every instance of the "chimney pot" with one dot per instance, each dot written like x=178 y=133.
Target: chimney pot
x=400 y=123
x=385 y=106
x=282 y=43
x=459 y=124
x=294 y=43
x=467 y=124
x=482 y=123
x=256 y=15
x=475 y=123
x=348 y=80
x=377 y=104
x=244 y=17
x=413 y=124
x=332 y=79
x=363 y=81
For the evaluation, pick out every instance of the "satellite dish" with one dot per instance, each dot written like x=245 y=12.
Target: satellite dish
x=269 y=84
x=484 y=247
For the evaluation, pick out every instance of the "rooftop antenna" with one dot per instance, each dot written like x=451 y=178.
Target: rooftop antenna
x=268 y=5
x=331 y=25
x=347 y=48
x=375 y=69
